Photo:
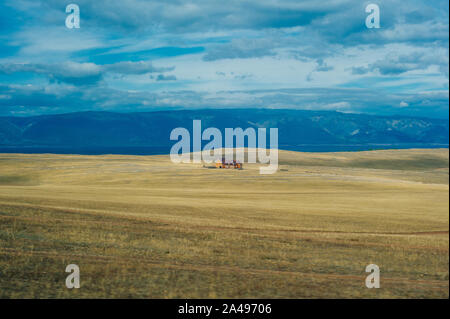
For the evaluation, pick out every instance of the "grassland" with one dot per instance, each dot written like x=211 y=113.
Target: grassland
x=143 y=227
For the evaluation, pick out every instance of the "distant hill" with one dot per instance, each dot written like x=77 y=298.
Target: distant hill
x=152 y=129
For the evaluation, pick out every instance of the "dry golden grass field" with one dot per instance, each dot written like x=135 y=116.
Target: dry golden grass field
x=143 y=227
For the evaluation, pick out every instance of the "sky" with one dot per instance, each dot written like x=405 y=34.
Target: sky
x=135 y=56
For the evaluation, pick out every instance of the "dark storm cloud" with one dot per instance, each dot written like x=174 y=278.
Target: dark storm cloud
x=162 y=77
x=81 y=73
x=398 y=64
x=128 y=67
x=240 y=49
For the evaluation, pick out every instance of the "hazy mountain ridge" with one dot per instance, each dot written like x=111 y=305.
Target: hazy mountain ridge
x=153 y=128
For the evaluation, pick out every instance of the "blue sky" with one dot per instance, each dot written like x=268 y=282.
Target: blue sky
x=134 y=55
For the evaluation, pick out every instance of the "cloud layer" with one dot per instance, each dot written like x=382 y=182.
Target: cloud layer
x=143 y=55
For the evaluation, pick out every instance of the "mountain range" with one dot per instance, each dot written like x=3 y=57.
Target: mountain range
x=152 y=129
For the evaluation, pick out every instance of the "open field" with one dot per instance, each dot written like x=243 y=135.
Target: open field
x=143 y=227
